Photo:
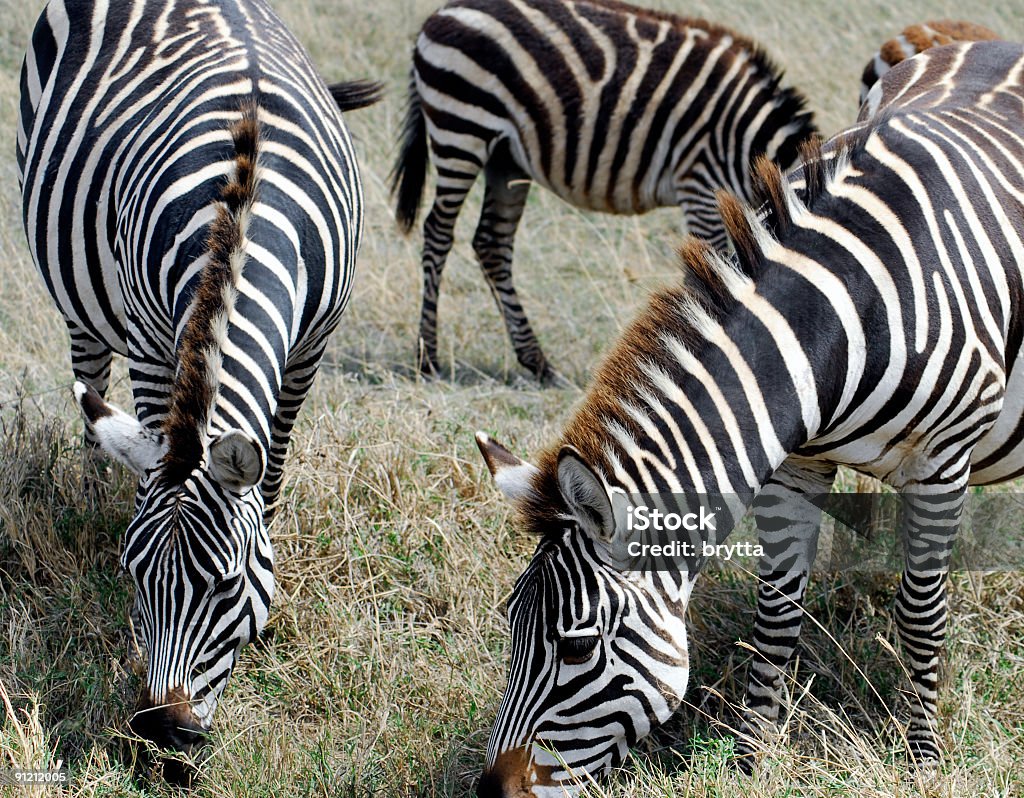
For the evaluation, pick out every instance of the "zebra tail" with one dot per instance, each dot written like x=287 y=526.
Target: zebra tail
x=352 y=95
x=410 y=172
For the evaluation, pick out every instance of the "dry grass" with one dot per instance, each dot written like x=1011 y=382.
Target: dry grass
x=385 y=654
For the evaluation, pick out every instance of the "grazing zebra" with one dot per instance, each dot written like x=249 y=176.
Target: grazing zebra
x=870 y=317
x=918 y=38
x=614 y=108
x=191 y=199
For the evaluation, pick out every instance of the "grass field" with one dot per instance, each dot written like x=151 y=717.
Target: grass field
x=385 y=654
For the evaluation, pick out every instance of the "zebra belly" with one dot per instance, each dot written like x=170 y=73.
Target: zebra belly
x=999 y=455
x=897 y=456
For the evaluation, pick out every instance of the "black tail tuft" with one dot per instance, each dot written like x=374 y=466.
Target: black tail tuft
x=354 y=94
x=410 y=171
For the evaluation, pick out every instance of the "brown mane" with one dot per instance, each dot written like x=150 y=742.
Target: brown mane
x=935 y=34
x=757 y=53
x=199 y=352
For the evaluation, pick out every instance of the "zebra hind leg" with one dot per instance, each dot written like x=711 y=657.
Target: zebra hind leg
x=454 y=180
x=504 y=200
x=788 y=526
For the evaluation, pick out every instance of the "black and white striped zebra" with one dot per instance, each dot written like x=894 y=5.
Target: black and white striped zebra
x=614 y=108
x=191 y=199
x=871 y=316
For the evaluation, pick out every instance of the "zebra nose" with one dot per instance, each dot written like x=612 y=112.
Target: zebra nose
x=490 y=786
x=513 y=775
x=169 y=723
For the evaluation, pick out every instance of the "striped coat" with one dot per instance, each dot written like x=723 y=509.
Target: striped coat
x=916 y=39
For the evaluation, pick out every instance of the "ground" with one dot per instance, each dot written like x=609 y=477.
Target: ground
x=385 y=655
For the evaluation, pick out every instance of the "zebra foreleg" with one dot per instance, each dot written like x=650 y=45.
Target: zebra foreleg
x=90 y=362
x=788 y=526
x=931 y=522
x=298 y=378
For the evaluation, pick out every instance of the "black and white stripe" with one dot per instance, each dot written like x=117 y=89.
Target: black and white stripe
x=192 y=202
x=870 y=316
x=614 y=108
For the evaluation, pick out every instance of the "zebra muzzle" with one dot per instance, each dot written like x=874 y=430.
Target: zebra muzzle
x=514 y=774
x=171 y=724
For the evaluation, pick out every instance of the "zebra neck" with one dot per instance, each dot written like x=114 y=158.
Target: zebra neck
x=257 y=339
x=710 y=401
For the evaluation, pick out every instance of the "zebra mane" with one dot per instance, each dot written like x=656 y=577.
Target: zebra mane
x=686 y=312
x=757 y=52
x=787 y=103
x=199 y=354
x=790 y=102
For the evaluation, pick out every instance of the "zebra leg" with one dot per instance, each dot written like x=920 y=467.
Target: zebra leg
x=931 y=522
x=699 y=204
x=90 y=363
x=788 y=526
x=504 y=200
x=454 y=179
x=298 y=377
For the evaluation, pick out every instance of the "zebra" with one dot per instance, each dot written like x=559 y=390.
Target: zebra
x=868 y=317
x=613 y=108
x=915 y=39
x=192 y=202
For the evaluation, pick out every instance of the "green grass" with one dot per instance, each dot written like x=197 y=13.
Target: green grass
x=384 y=659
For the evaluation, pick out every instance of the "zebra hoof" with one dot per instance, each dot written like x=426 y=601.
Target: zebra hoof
x=549 y=378
x=429 y=370
x=922 y=756
x=744 y=762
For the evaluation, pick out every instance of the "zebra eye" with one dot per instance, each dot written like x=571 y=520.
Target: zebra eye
x=223 y=584
x=576 y=650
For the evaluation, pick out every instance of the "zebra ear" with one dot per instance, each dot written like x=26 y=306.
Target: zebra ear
x=120 y=435
x=236 y=460
x=585 y=495
x=514 y=477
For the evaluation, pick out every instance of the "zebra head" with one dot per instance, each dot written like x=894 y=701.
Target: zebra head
x=200 y=556
x=599 y=654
